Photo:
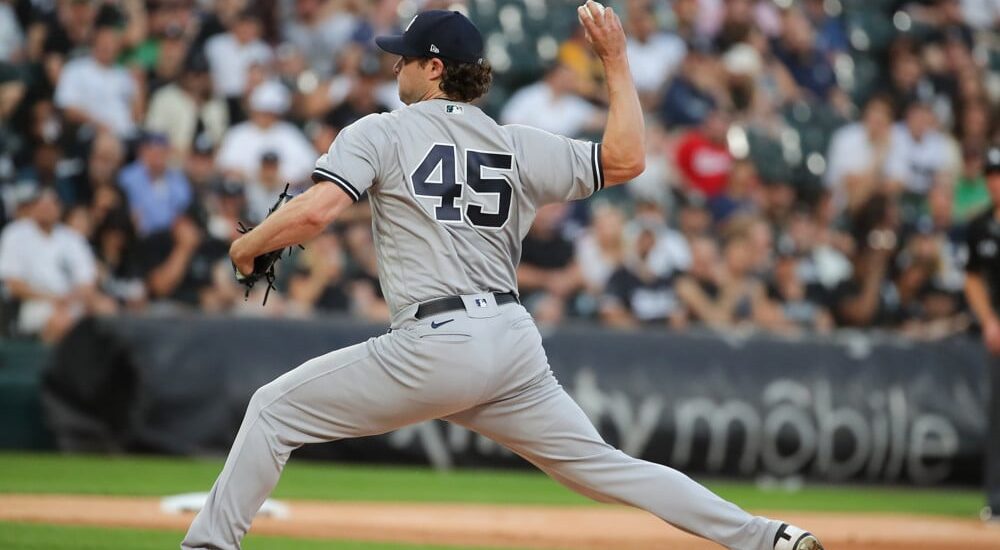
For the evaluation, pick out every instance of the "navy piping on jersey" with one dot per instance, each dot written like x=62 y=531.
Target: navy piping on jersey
x=320 y=174
x=595 y=166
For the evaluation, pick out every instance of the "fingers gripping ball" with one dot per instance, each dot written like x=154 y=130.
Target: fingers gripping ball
x=587 y=10
x=263 y=265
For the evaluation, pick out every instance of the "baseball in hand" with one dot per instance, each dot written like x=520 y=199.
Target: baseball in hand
x=586 y=8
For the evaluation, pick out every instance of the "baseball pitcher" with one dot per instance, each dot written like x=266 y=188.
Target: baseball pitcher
x=452 y=194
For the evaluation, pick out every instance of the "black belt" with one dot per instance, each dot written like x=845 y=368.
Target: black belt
x=452 y=303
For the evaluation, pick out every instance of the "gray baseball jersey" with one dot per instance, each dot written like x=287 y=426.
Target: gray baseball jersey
x=453 y=193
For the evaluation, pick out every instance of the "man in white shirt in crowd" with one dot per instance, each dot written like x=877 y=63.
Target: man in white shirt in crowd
x=653 y=55
x=231 y=55
x=866 y=157
x=245 y=144
x=49 y=268
x=927 y=152
x=551 y=104
x=94 y=90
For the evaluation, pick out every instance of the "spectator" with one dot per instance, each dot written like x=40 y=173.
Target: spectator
x=185 y=110
x=822 y=261
x=703 y=158
x=44 y=170
x=971 y=197
x=199 y=168
x=50 y=270
x=693 y=219
x=228 y=209
x=232 y=54
x=548 y=275
x=777 y=201
x=866 y=157
x=654 y=56
x=576 y=54
x=177 y=266
x=867 y=297
x=266 y=132
x=693 y=93
x=831 y=37
x=741 y=192
x=973 y=124
x=115 y=244
x=11 y=35
x=319 y=28
x=157 y=193
x=798 y=51
x=670 y=254
x=104 y=161
x=61 y=34
x=927 y=152
x=552 y=105
x=601 y=249
x=93 y=90
x=161 y=56
x=361 y=100
x=724 y=295
x=928 y=310
x=319 y=284
x=359 y=80
x=801 y=304
x=685 y=17
x=262 y=192
x=908 y=80
x=635 y=293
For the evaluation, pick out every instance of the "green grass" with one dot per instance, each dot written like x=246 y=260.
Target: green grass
x=30 y=536
x=41 y=473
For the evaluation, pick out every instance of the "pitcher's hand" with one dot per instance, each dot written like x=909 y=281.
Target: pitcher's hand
x=604 y=30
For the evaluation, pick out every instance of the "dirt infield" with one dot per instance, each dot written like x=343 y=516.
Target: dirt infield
x=579 y=528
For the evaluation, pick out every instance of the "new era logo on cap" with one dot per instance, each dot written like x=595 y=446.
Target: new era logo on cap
x=434 y=49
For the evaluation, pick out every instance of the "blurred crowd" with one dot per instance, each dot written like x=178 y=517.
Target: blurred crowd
x=811 y=164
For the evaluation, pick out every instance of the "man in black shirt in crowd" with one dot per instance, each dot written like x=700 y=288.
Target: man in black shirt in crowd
x=982 y=290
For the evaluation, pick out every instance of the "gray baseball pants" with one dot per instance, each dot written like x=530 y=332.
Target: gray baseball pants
x=486 y=370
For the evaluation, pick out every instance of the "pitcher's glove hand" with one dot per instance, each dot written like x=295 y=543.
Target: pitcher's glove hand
x=263 y=265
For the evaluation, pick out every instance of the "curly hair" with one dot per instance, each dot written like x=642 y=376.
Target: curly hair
x=466 y=81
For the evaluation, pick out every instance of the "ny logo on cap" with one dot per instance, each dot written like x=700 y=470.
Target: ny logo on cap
x=434 y=49
x=482 y=302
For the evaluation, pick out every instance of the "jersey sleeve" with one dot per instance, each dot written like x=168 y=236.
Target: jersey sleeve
x=352 y=163
x=555 y=168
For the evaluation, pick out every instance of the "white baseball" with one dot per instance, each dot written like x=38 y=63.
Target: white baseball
x=586 y=10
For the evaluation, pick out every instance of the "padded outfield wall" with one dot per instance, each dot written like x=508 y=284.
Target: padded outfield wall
x=851 y=407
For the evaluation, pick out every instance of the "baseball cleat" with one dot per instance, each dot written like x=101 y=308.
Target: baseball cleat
x=790 y=537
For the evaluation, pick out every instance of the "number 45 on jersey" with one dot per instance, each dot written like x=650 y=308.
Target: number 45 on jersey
x=448 y=190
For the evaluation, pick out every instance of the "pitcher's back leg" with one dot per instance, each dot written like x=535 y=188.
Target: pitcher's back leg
x=546 y=427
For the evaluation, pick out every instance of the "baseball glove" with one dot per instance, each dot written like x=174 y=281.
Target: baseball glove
x=263 y=265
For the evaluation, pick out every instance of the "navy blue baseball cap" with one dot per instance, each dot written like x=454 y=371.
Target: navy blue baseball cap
x=448 y=35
